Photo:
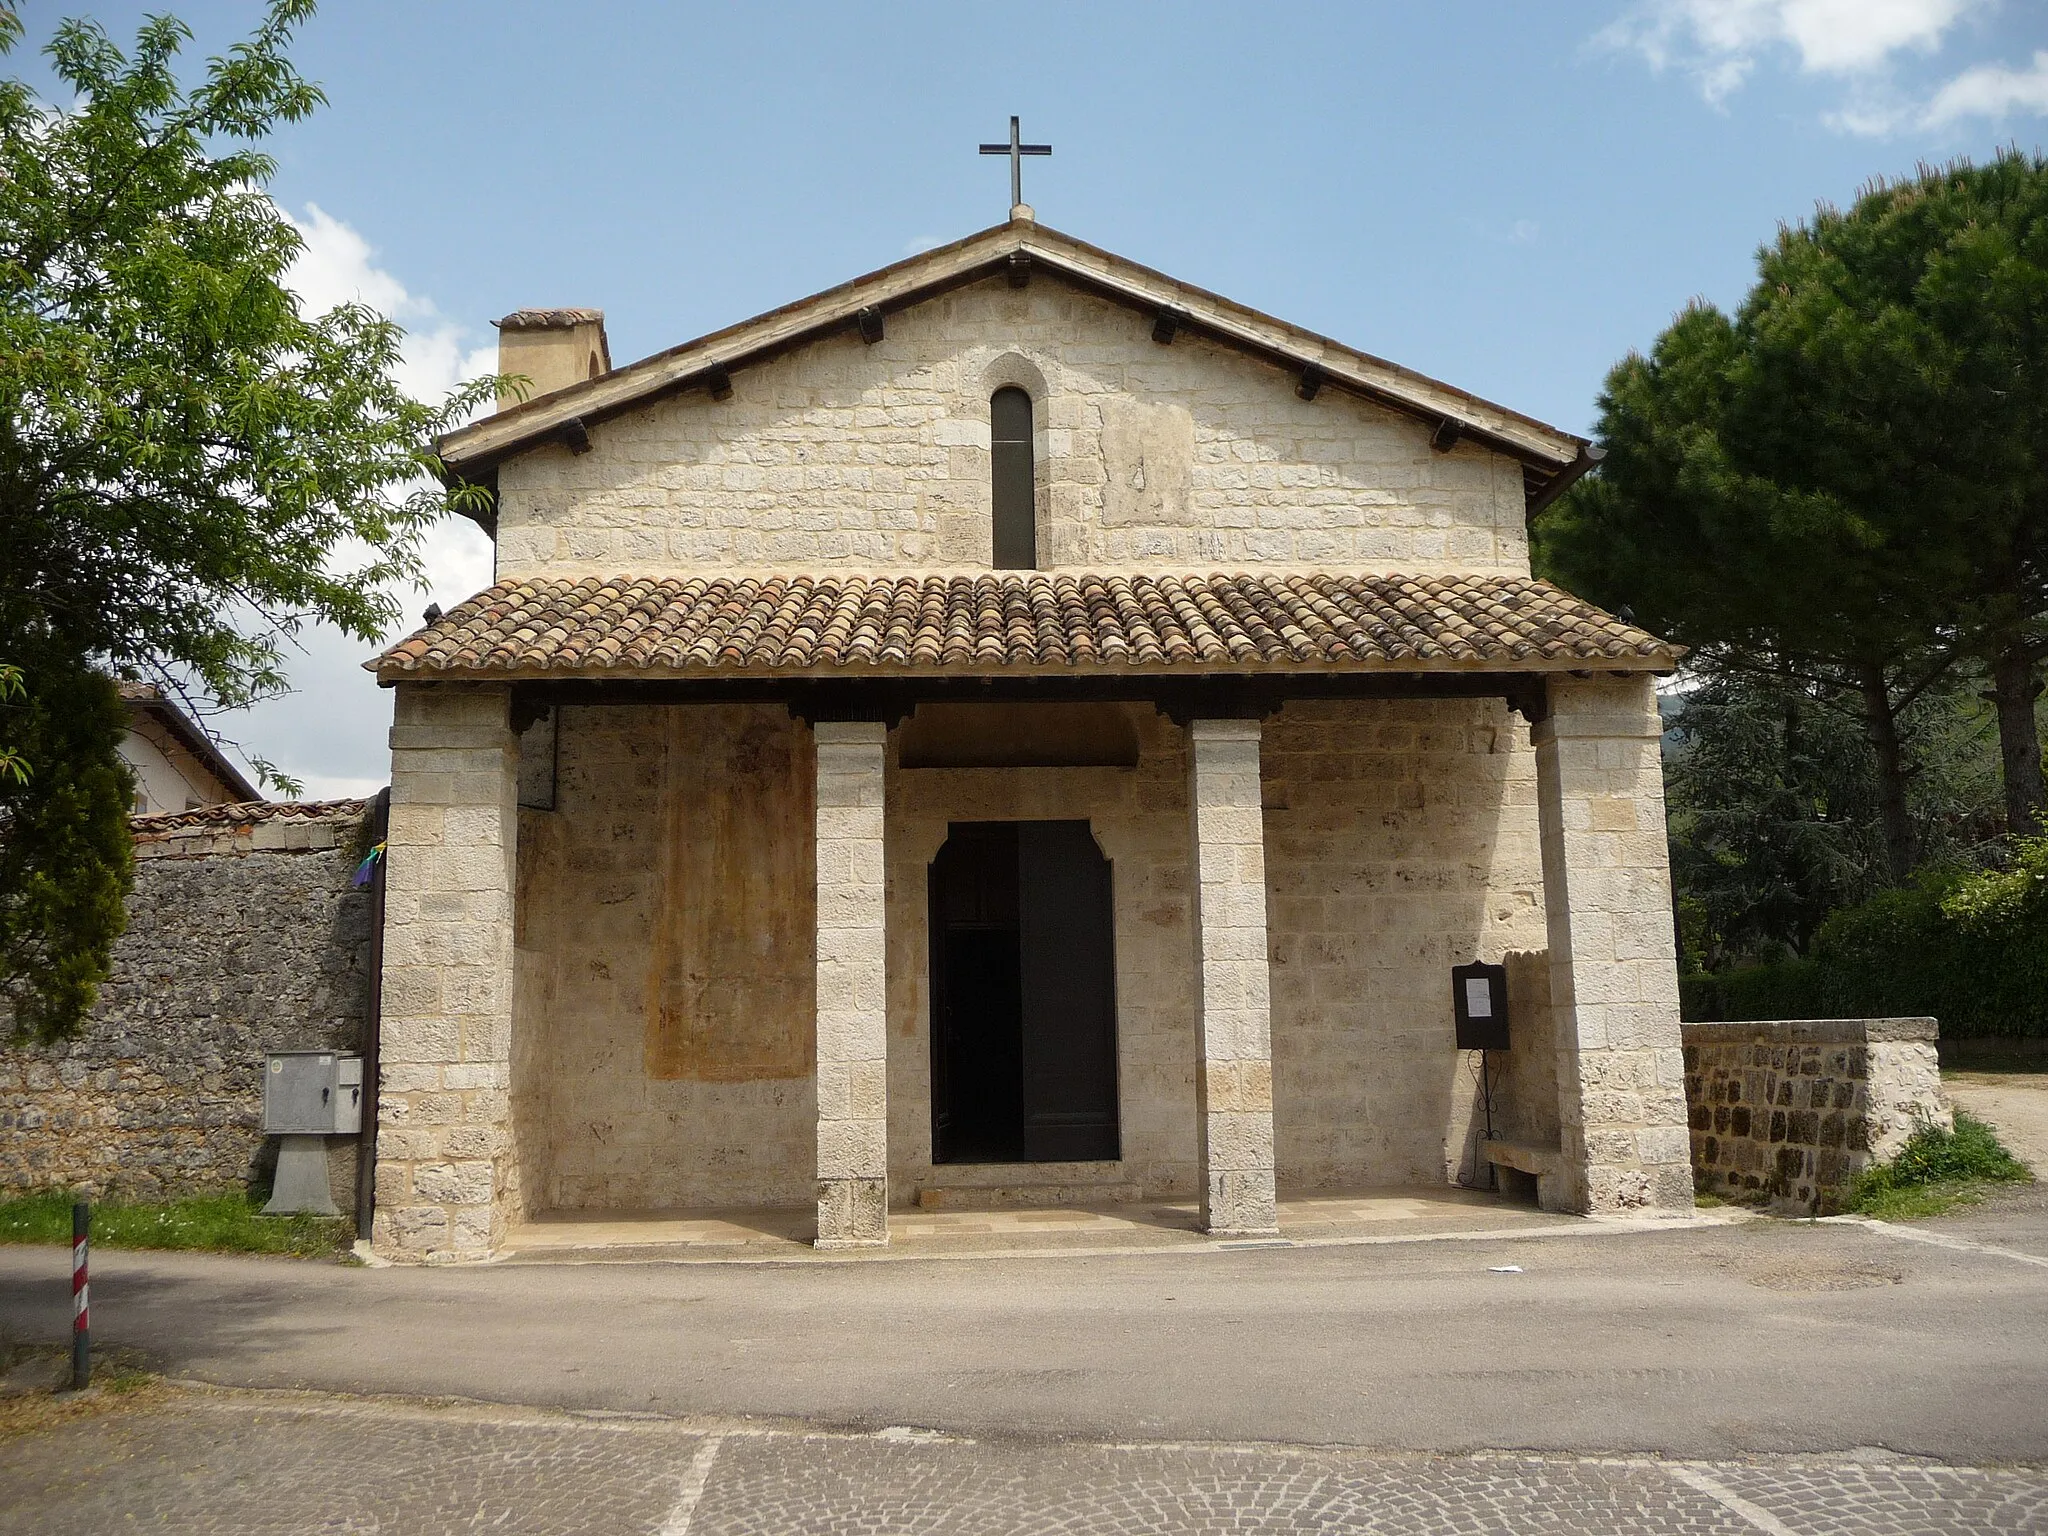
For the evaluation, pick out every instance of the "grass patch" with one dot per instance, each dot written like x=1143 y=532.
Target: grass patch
x=227 y=1223
x=1936 y=1171
x=33 y=1378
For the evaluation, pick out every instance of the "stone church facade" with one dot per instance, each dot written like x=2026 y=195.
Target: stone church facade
x=1015 y=726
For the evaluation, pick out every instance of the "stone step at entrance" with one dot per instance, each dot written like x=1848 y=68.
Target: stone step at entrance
x=1010 y=1186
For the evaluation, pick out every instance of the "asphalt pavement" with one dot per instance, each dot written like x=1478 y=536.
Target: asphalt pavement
x=1765 y=1338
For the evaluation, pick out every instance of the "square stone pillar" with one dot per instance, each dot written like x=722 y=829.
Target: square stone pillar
x=1613 y=956
x=853 y=1018
x=1234 y=1076
x=446 y=1176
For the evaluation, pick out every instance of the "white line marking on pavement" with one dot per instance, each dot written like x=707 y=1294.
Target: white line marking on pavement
x=1731 y=1501
x=694 y=1479
x=1938 y=1239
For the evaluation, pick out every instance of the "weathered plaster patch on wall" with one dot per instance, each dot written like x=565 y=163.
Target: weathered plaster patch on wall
x=731 y=979
x=1148 y=459
x=605 y=1133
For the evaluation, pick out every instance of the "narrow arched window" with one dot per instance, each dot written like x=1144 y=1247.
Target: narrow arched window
x=1016 y=536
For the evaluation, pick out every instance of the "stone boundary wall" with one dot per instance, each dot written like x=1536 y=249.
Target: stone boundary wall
x=1792 y=1110
x=244 y=936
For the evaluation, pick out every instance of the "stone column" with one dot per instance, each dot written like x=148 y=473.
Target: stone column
x=1234 y=1078
x=1613 y=959
x=853 y=1019
x=446 y=1176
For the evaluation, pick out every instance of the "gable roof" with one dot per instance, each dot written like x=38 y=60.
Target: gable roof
x=1551 y=459
x=146 y=701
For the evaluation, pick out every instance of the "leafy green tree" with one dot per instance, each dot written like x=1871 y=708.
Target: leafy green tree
x=1772 y=817
x=65 y=852
x=1756 y=574
x=1848 y=480
x=1773 y=791
x=1898 y=361
x=12 y=764
x=190 y=469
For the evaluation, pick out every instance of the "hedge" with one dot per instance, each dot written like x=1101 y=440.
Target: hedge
x=1969 y=948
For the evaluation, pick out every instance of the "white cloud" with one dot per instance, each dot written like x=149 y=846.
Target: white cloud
x=1992 y=90
x=1870 y=119
x=1517 y=232
x=1719 y=42
x=336 y=266
x=330 y=731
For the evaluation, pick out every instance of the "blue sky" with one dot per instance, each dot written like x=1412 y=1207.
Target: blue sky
x=1507 y=196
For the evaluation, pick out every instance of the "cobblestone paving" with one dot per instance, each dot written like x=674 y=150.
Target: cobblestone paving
x=240 y=1463
x=1897 y=1500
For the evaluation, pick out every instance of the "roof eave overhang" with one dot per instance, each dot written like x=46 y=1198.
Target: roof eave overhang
x=770 y=678
x=195 y=741
x=472 y=454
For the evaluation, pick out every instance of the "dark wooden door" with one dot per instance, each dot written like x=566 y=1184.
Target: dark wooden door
x=1023 y=995
x=977 y=997
x=1068 y=970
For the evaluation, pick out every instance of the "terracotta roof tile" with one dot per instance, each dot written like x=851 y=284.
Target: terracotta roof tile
x=247 y=813
x=595 y=627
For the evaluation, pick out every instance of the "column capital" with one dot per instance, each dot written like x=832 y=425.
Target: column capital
x=1600 y=727
x=1599 y=708
x=1225 y=730
x=851 y=733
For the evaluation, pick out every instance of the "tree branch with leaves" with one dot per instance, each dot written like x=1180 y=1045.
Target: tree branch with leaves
x=191 y=469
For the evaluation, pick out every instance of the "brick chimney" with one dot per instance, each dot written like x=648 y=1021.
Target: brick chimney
x=553 y=348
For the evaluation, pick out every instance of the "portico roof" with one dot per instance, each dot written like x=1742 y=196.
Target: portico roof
x=1017 y=623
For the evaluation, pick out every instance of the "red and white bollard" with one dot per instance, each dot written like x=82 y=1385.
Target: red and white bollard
x=81 y=1318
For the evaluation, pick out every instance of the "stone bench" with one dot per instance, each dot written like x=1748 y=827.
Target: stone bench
x=1544 y=1164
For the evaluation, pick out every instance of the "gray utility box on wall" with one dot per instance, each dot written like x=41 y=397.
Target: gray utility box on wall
x=312 y=1093
x=307 y=1097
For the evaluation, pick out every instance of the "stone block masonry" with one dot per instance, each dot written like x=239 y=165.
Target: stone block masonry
x=846 y=456
x=1790 y=1111
x=447 y=1176
x=662 y=1041
x=1234 y=1085
x=244 y=936
x=1613 y=963
x=1400 y=841
x=853 y=989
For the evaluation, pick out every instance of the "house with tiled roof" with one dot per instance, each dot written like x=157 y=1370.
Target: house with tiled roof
x=1015 y=728
x=177 y=766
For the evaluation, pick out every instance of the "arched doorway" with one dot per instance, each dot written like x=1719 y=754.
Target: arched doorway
x=1023 y=995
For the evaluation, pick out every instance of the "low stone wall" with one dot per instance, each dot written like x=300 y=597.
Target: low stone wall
x=1792 y=1110
x=244 y=936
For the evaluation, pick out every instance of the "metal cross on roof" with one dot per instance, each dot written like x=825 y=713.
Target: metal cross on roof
x=1016 y=149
